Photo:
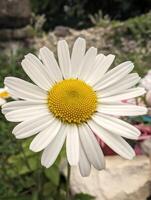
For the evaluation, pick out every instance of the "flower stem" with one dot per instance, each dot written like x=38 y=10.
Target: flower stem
x=68 y=182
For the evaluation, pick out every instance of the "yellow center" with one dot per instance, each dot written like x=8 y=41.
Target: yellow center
x=4 y=95
x=72 y=101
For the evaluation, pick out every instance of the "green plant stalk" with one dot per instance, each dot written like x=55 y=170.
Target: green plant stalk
x=68 y=182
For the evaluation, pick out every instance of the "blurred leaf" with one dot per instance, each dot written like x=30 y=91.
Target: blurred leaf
x=16 y=198
x=53 y=174
x=83 y=196
x=35 y=196
x=48 y=189
x=23 y=164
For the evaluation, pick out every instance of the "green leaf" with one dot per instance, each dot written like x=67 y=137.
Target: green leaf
x=83 y=196
x=35 y=196
x=16 y=198
x=53 y=174
x=49 y=190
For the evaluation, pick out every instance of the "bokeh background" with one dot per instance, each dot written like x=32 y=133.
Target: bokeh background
x=119 y=27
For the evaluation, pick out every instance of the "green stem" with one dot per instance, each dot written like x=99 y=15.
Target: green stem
x=68 y=182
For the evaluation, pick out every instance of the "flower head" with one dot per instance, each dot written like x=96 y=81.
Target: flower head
x=71 y=100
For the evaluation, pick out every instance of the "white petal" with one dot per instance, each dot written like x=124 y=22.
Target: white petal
x=91 y=147
x=114 y=75
x=77 y=56
x=84 y=164
x=45 y=137
x=36 y=71
x=24 y=89
x=52 y=150
x=129 y=81
x=115 y=142
x=130 y=93
x=87 y=64
x=116 y=126
x=20 y=115
x=122 y=110
x=72 y=145
x=2 y=101
x=14 y=95
x=31 y=127
x=20 y=104
x=101 y=65
x=51 y=65
x=64 y=58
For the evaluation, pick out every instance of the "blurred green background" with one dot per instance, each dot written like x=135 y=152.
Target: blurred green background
x=75 y=13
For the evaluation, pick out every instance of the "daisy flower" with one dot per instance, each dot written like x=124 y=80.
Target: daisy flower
x=3 y=95
x=72 y=100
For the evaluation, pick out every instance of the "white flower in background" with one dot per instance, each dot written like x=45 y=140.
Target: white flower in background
x=3 y=95
x=146 y=81
x=73 y=100
x=148 y=98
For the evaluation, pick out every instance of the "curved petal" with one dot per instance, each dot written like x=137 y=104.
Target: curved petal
x=53 y=149
x=77 y=56
x=101 y=65
x=36 y=71
x=122 y=110
x=129 y=81
x=72 y=145
x=24 y=89
x=51 y=65
x=87 y=63
x=128 y=94
x=45 y=137
x=84 y=164
x=20 y=115
x=116 y=126
x=20 y=104
x=31 y=127
x=91 y=147
x=114 y=75
x=115 y=142
x=64 y=58
x=2 y=101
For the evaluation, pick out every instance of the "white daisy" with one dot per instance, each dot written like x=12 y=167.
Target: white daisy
x=3 y=95
x=73 y=100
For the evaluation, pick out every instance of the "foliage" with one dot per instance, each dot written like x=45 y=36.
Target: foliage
x=130 y=41
x=10 y=64
x=37 y=24
x=64 y=12
x=21 y=174
x=99 y=20
x=83 y=196
x=75 y=13
x=138 y=28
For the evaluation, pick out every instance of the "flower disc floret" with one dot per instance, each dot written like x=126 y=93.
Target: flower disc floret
x=72 y=101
